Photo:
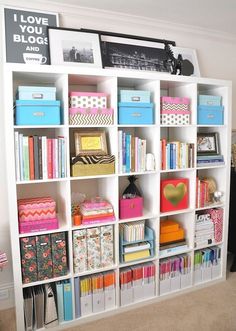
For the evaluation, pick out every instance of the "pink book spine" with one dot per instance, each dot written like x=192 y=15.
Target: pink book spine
x=136 y=154
x=49 y=158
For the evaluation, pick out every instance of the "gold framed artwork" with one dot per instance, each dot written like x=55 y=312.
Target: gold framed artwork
x=90 y=143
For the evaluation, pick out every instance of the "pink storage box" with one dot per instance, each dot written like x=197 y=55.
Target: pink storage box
x=130 y=208
x=175 y=110
x=40 y=225
x=35 y=209
x=87 y=100
x=216 y=215
x=91 y=116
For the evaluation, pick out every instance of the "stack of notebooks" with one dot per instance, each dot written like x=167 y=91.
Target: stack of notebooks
x=172 y=237
x=96 y=211
x=133 y=231
x=204 y=230
x=47 y=305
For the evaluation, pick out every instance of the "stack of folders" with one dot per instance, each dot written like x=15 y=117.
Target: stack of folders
x=210 y=160
x=47 y=305
x=175 y=273
x=133 y=231
x=207 y=264
x=137 y=282
x=94 y=293
x=204 y=230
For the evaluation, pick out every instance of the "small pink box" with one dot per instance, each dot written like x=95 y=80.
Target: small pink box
x=41 y=225
x=130 y=208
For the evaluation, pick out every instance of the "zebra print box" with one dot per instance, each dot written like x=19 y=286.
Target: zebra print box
x=91 y=116
x=93 y=165
x=175 y=111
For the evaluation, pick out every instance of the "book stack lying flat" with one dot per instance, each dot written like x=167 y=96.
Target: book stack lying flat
x=204 y=230
x=172 y=237
x=96 y=211
x=210 y=160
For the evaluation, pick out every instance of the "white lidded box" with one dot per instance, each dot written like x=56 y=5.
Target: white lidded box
x=175 y=110
x=36 y=93
x=87 y=100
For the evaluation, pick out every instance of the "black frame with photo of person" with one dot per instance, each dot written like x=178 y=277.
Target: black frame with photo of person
x=74 y=47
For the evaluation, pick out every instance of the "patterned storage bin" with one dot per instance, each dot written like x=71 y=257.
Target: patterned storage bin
x=91 y=116
x=87 y=100
x=175 y=111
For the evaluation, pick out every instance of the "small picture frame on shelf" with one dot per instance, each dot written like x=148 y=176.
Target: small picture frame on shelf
x=74 y=47
x=90 y=143
x=207 y=143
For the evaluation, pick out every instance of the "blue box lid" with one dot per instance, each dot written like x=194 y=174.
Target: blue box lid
x=38 y=102
x=36 y=88
x=136 y=104
x=210 y=108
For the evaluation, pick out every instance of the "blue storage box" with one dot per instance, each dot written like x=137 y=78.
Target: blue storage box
x=37 y=112
x=135 y=113
x=36 y=93
x=135 y=96
x=209 y=100
x=210 y=115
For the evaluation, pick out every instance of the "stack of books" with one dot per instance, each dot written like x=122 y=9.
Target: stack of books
x=210 y=160
x=96 y=211
x=204 y=230
x=172 y=237
x=202 y=193
x=133 y=231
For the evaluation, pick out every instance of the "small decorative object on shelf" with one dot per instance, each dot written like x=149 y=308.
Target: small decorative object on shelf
x=210 y=110
x=175 y=111
x=131 y=203
x=174 y=194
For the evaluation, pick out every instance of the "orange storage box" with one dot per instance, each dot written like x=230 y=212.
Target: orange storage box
x=169 y=226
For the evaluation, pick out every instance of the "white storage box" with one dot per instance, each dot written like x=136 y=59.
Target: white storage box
x=175 y=283
x=164 y=286
x=126 y=296
x=110 y=298
x=98 y=302
x=185 y=280
x=86 y=305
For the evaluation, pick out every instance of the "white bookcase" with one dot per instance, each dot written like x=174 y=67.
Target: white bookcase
x=111 y=186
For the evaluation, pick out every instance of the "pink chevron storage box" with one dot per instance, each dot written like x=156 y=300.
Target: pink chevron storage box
x=36 y=209
x=175 y=111
x=91 y=116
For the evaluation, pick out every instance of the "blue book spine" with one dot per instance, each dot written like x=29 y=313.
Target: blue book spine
x=68 y=314
x=171 y=156
x=168 y=156
x=127 y=152
x=60 y=302
x=174 y=155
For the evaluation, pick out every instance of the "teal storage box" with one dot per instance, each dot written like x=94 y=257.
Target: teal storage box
x=210 y=115
x=135 y=113
x=209 y=100
x=37 y=112
x=135 y=96
x=36 y=93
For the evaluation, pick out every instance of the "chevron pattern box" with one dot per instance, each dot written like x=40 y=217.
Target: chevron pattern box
x=91 y=116
x=175 y=111
x=35 y=209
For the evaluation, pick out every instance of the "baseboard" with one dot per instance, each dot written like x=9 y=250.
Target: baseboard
x=7 y=299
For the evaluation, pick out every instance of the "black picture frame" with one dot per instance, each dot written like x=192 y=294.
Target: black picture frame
x=208 y=143
x=132 y=52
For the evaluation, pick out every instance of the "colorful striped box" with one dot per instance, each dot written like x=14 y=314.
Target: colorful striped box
x=175 y=111
x=34 y=209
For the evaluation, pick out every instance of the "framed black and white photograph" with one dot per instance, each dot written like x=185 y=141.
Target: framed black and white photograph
x=208 y=143
x=73 y=47
x=188 y=61
x=127 y=53
x=26 y=35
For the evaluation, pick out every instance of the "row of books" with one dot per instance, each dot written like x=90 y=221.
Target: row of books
x=133 y=231
x=207 y=160
x=39 y=157
x=174 y=266
x=47 y=305
x=176 y=155
x=132 y=153
x=207 y=257
x=137 y=275
x=93 y=248
x=202 y=193
x=43 y=257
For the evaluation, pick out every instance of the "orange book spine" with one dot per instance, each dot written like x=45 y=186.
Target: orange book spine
x=31 y=157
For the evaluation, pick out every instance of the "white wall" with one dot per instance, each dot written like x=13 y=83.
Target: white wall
x=216 y=56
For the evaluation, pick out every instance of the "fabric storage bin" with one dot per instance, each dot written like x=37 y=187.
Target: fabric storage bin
x=91 y=116
x=175 y=111
x=37 y=112
x=209 y=100
x=136 y=96
x=211 y=115
x=87 y=100
x=135 y=113
x=92 y=169
x=34 y=209
x=129 y=208
x=36 y=93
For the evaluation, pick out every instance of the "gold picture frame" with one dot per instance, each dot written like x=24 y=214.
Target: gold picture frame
x=90 y=143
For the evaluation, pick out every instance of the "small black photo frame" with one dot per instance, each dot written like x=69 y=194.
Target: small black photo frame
x=208 y=143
